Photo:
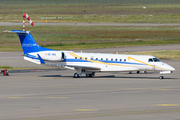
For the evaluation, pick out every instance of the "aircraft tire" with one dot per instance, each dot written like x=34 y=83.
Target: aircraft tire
x=161 y=77
x=145 y=72
x=76 y=75
x=87 y=75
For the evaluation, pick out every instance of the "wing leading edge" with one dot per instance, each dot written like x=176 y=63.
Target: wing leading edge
x=39 y=60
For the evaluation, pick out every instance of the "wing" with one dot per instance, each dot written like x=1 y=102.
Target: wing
x=67 y=66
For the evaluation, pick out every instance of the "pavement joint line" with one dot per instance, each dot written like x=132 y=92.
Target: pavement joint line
x=86 y=110
x=108 y=114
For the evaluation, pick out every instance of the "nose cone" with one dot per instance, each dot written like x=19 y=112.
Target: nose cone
x=173 y=69
x=170 y=68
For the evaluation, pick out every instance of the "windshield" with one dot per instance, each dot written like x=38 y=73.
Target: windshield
x=156 y=60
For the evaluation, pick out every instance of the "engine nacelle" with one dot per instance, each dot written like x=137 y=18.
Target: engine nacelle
x=52 y=55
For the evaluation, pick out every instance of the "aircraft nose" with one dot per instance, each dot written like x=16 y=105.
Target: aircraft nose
x=171 y=68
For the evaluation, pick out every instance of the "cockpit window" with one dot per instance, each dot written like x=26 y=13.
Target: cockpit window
x=150 y=60
x=156 y=60
x=153 y=60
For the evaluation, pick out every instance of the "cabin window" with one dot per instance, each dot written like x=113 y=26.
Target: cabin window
x=120 y=60
x=156 y=60
x=106 y=59
x=111 y=59
x=150 y=60
x=86 y=58
x=96 y=58
x=101 y=58
x=124 y=60
x=116 y=60
x=80 y=57
x=75 y=57
x=91 y=58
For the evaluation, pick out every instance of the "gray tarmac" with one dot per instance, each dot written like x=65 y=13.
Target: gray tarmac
x=54 y=94
x=93 y=24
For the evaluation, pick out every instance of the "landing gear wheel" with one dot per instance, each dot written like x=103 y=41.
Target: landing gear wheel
x=90 y=75
x=93 y=74
x=87 y=75
x=138 y=72
x=76 y=75
x=161 y=77
x=145 y=72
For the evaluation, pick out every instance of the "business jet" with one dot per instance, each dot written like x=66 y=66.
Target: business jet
x=88 y=63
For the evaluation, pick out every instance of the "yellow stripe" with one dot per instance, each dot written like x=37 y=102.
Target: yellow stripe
x=145 y=63
x=74 y=55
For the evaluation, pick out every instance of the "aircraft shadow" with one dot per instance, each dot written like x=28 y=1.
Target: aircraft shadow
x=108 y=76
x=50 y=76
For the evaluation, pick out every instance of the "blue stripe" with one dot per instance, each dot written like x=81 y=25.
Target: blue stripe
x=117 y=62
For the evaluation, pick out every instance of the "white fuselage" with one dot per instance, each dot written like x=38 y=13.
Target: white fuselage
x=99 y=62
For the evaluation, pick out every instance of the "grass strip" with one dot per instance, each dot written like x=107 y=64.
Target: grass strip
x=160 y=54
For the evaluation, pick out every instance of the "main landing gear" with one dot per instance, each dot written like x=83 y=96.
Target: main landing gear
x=76 y=75
x=90 y=75
x=145 y=72
x=161 y=77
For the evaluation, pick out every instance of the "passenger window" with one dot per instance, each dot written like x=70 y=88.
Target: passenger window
x=116 y=59
x=106 y=59
x=86 y=58
x=111 y=59
x=75 y=57
x=150 y=60
x=91 y=58
x=124 y=60
x=96 y=58
x=101 y=58
x=120 y=60
x=80 y=57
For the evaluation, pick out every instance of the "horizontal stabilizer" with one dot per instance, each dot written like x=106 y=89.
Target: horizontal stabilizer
x=32 y=60
x=17 y=31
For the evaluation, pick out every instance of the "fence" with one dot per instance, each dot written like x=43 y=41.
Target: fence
x=11 y=2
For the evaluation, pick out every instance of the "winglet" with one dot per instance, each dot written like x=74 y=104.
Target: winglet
x=41 y=60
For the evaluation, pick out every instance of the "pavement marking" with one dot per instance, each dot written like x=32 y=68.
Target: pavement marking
x=107 y=114
x=168 y=105
x=86 y=110
x=165 y=89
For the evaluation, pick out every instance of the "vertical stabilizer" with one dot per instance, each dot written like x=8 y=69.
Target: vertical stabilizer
x=28 y=43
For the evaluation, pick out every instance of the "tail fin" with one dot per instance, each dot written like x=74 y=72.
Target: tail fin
x=28 y=43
